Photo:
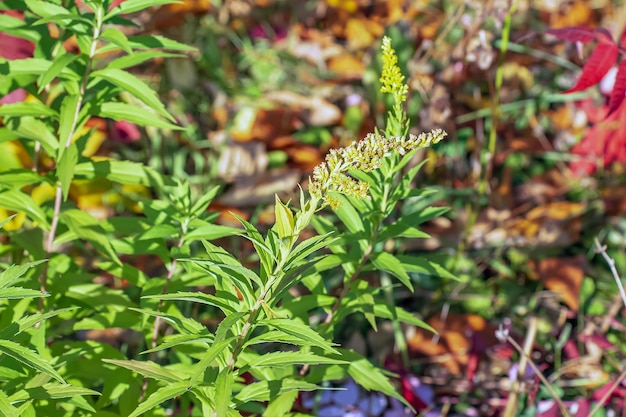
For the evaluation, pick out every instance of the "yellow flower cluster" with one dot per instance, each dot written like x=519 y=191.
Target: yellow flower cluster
x=391 y=79
x=365 y=155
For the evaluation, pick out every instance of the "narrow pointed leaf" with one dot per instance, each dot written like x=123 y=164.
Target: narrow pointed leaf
x=223 y=392
x=161 y=395
x=65 y=169
x=15 y=293
x=619 y=88
x=301 y=330
x=17 y=201
x=128 y=82
x=598 y=64
x=370 y=377
x=27 y=109
x=28 y=358
x=131 y=6
x=266 y=390
x=148 y=369
x=117 y=37
x=55 y=69
x=134 y=114
x=211 y=354
x=385 y=261
x=196 y=297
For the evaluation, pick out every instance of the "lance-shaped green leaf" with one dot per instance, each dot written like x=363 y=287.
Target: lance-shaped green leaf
x=31 y=66
x=284 y=219
x=15 y=293
x=150 y=42
x=128 y=82
x=161 y=395
x=46 y=8
x=117 y=37
x=27 y=109
x=51 y=391
x=211 y=354
x=87 y=227
x=296 y=328
x=124 y=172
x=223 y=391
x=182 y=324
x=370 y=377
x=398 y=313
x=65 y=169
x=21 y=177
x=139 y=57
x=59 y=63
x=424 y=266
x=6 y=408
x=149 y=369
x=18 y=201
x=131 y=6
x=13 y=273
x=134 y=114
x=385 y=261
x=266 y=390
x=31 y=128
x=196 y=297
x=29 y=358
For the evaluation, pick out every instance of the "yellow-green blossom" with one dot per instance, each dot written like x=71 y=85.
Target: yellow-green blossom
x=391 y=79
x=365 y=155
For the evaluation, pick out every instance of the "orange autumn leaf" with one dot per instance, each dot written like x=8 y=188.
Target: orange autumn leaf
x=563 y=276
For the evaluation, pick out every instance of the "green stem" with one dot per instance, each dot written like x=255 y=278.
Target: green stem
x=302 y=221
x=99 y=14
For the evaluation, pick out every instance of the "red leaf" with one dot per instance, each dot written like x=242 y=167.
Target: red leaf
x=576 y=34
x=600 y=62
x=606 y=140
x=619 y=88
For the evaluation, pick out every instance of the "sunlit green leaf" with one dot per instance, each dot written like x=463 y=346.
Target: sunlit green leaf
x=134 y=114
x=17 y=201
x=385 y=261
x=28 y=358
x=132 y=84
x=131 y=6
x=162 y=394
x=27 y=109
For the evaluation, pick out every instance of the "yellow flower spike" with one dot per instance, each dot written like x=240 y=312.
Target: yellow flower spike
x=391 y=79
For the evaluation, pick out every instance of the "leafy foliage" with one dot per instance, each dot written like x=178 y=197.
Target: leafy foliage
x=263 y=350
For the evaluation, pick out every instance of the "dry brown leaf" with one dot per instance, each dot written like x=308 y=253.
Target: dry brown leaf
x=564 y=276
x=263 y=124
x=578 y=13
x=241 y=160
x=312 y=110
x=346 y=65
x=455 y=339
x=304 y=157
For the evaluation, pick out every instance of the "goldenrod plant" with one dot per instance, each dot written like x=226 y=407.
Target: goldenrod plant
x=267 y=346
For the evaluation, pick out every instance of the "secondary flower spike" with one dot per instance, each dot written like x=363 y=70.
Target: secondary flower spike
x=365 y=155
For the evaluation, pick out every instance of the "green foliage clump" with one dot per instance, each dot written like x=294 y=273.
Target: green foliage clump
x=263 y=351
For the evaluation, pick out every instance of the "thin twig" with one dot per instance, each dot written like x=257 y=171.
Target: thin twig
x=608 y=393
x=601 y=249
x=511 y=405
x=529 y=361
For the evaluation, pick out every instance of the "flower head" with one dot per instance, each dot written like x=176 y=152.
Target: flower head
x=365 y=155
x=391 y=79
